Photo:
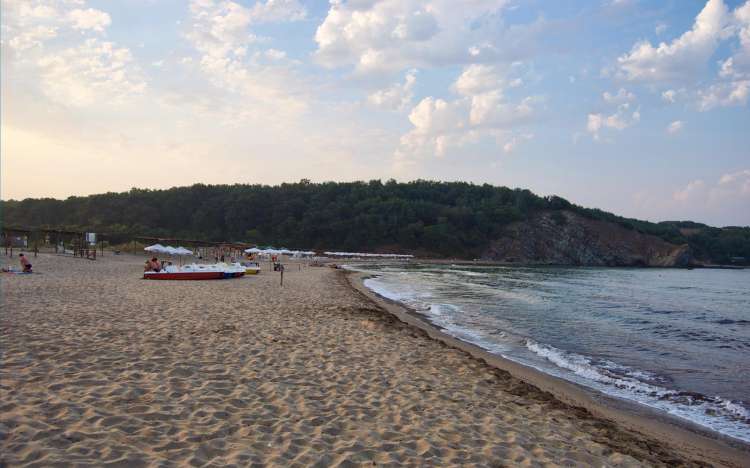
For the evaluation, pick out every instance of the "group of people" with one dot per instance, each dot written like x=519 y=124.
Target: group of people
x=25 y=265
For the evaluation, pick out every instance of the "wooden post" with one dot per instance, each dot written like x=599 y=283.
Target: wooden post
x=282 y=277
x=133 y=247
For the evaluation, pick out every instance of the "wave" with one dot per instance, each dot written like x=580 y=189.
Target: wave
x=450 y=303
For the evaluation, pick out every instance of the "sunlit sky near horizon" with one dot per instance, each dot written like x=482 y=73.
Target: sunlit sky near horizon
x=633 y=106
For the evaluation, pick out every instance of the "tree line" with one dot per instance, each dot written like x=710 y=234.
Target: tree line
x=427 y=218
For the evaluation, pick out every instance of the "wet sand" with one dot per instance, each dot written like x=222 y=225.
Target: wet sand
x=101 y=367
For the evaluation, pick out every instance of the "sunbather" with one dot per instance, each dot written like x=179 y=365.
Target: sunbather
x=25 y=263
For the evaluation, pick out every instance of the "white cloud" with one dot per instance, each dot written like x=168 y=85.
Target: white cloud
x=386 y=36
x=669 y=96
x=731 y=188
x=221 y=34
x=733 y=93
x=621 y=119
x=514 y=141
x=272 y=11
x=682 y=57
x=732 y=177
x=93 y=72
x=396 y=97
x=32 y=38
x=693 y=189
x=480 y=111
x=620 y=97
x=660 y=28
x=95 y=20
x=675 y=127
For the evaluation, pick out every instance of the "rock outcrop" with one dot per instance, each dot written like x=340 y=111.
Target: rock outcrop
x=566 y=238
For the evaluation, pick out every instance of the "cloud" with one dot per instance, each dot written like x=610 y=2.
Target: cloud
x=93 y=72
x=738 y=182
x=622 y=96
x=693 y=189
x=32 y=38
x=396 y=97
x=733 y=93
x=684 y=56
x=621 y=119
x=95 y=20
x=669 y=96
x=730 y=189
x=221 y=34
x=274 y=11
x=514 y=141
x=479 y=111
x=675 y=127
x=387 y=36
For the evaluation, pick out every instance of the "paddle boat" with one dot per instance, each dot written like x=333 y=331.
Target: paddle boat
x=197 y=272
x=251 y=268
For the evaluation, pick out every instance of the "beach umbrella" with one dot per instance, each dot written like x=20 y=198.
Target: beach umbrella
x=154 y=248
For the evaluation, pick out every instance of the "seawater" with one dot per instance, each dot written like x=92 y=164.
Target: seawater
x=675 y=340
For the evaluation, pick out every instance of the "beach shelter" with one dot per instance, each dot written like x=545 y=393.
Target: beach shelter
x=157 y=248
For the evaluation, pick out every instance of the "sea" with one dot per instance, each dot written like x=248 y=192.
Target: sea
x=675 y=340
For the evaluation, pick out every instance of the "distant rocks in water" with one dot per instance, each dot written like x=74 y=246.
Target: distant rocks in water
x=567 y=238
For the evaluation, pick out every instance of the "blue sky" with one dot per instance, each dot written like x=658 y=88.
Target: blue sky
x=637 y=107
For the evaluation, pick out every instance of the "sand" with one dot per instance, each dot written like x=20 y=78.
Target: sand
x=101 y=367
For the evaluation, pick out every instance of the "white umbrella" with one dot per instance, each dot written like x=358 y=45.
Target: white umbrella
x=154 y=248
x=183 y=251
x=253 y=250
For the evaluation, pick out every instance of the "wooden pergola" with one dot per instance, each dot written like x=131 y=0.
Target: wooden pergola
x=33 y=237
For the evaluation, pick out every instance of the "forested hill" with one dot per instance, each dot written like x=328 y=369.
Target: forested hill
x=423 y=217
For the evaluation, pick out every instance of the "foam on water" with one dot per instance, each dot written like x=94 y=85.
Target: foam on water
x=430 y=293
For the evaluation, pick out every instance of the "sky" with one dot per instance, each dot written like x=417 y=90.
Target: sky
x=633 y=106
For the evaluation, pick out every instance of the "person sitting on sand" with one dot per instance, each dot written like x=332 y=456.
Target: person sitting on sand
x=25 y=263
x=155 y=265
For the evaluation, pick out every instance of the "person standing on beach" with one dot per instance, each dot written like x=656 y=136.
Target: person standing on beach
x=25 y=263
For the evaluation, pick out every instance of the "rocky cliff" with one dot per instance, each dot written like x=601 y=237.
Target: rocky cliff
x=566 y=238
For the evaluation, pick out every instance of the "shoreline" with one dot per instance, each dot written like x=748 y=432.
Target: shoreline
x=686 y=438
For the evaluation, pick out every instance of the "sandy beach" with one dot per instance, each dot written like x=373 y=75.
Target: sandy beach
x=101 y=367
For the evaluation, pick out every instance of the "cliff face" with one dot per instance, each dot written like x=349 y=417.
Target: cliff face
x=566 y=238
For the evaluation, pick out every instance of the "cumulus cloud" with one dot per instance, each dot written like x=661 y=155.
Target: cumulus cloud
x=692 y=189
x=733 y=85
x=731 y=188
x=621 y=119
x=675 y=127
x=731 y=93
x=620 y=97
x=32 y=38
x=386 y=36
x=669 y=96
x=480 y=110
x=90 y=18
x=93 y=72
x=685 y=55
x=396 y=97
x=221 y=35
x=272 y=11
